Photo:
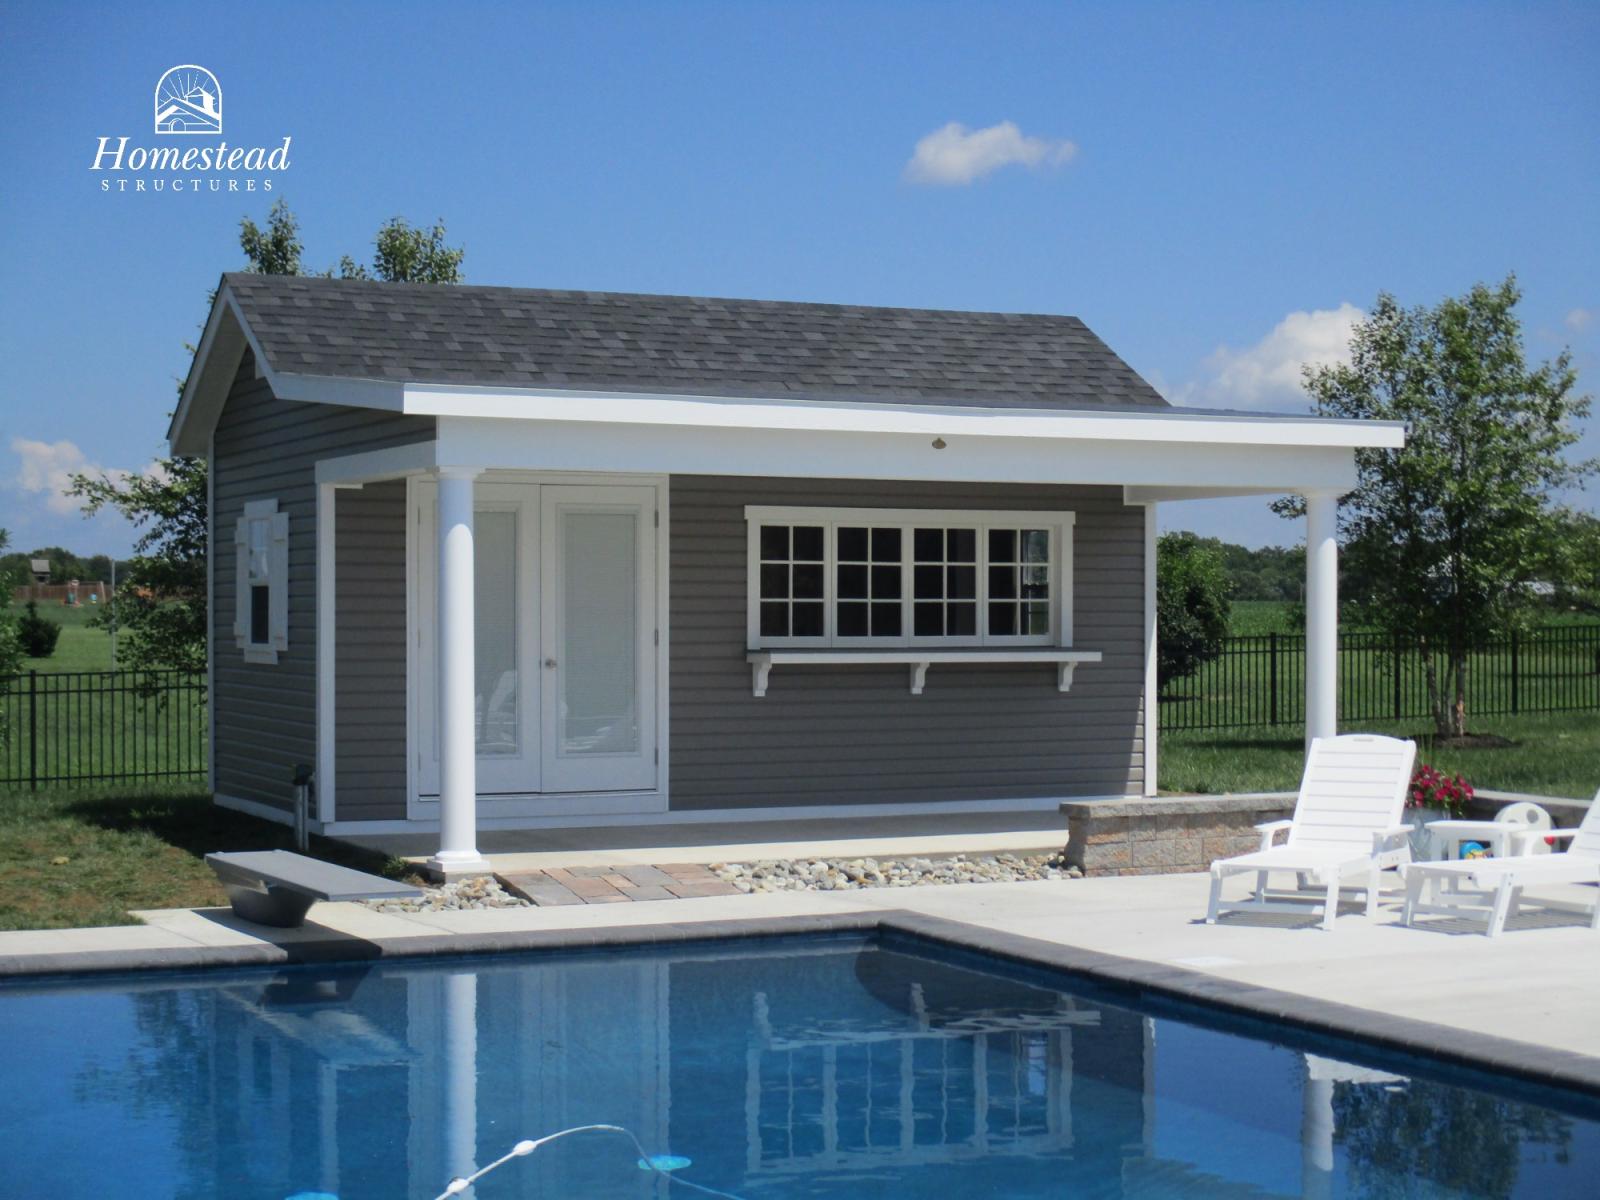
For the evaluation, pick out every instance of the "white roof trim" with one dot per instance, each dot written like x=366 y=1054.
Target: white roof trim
x=715 y=412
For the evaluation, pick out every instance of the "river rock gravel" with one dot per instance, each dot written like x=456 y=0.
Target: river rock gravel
x=848 y=874
x=476 y=891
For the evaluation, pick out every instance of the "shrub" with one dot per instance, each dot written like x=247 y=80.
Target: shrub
x=1432 y=788
x=37 y=635
x=1192 y=604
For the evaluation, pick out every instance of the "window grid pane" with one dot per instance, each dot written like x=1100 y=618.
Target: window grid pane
x=792 y=574
x=1019 y=583
x=944 y=582
x=869 y=581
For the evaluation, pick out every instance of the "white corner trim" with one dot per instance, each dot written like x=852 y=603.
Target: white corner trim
x=327 y=672
x=211 y=613
x=1152 y=647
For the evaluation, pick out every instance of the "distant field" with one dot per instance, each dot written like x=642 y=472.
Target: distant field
x=79 y=648
x=1257 y=618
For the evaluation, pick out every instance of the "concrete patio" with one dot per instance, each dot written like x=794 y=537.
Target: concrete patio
x=1527 y=997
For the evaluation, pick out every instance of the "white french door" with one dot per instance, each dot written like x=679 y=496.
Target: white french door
x=565 y=637
x=598 y=631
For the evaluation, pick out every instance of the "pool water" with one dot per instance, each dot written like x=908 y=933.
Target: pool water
x=831 y=1067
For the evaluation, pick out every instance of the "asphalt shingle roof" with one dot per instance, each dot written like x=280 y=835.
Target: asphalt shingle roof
x=610 y=341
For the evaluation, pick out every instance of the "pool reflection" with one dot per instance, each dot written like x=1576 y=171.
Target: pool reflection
x=820 y=1070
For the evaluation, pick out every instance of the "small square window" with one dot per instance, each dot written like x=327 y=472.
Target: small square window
x=852 y=582
x=808 y=543
x=852 y=620
x=775 y=620
x=853 y=545
x=775 y=542
x=808 y=581
x=1003 y=620
x=808 y=620
x=961 y=620
x=885 y=620
x=774 y=581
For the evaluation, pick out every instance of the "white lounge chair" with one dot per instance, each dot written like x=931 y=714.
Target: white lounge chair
x=1346 y=825
x=1492 y=887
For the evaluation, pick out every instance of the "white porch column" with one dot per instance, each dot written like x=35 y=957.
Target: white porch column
x=1322 y=615
x=458 y=764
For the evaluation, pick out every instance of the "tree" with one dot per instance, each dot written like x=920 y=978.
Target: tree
x=10 y=650
x=37 y=635
x=1572 y=566
x=1192 y=604
x=275 y=250
x=1444 y=537
x=408 y=255
x=160 y=604
x=159 y=607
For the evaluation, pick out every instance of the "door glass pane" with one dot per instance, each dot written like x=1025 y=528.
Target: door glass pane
x=495 y=616
x=599 y=652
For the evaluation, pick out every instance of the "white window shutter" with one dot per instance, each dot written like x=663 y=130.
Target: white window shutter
x=278 y=573
x=241 y=581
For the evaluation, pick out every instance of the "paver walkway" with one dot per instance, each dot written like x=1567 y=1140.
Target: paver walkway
x=615 y=884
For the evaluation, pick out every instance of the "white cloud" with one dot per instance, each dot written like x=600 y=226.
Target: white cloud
x=1267 y=375
x=1579 y=319
x=955 y=155
x=47 y=468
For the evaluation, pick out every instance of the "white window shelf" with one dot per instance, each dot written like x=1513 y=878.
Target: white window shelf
x=918 y=660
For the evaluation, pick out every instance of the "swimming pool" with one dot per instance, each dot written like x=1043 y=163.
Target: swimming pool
x=795 y=1067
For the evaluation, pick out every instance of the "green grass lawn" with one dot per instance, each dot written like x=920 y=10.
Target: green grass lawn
x=86 y=859
x=79 y=648
x=1556 y=754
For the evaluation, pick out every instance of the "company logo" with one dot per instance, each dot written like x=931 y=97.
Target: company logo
x=188 y=100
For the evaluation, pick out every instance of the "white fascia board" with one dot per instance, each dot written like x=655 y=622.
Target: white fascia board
x=713 y=412
x=822 y=454
x=371 y=465
x=354 y=393
x=205 y=389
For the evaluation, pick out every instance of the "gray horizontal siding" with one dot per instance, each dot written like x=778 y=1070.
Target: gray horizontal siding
x=855 y=734
x=370 y=652
x=266 y=448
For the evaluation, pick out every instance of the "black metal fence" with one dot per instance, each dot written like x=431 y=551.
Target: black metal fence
x=1261 y=681
x=99 y=726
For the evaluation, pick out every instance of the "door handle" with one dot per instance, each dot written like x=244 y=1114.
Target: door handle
x=550 y=662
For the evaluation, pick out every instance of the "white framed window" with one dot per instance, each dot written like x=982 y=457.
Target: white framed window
x=261 y=573
x=877 y=578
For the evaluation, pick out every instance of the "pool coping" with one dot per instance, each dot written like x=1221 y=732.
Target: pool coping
x=1524 y=1061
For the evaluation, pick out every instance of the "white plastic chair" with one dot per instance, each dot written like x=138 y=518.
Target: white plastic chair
x=1492 y=887
x=1346 y=824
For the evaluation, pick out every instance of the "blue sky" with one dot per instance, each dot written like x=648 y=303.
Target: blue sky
x=1217 y=190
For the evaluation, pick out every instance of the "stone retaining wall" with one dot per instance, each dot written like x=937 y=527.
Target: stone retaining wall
x=1168 y=835
x=1165 y=835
